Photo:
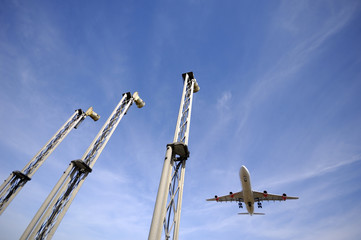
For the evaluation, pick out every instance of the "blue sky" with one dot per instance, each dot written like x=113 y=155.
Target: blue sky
x=280 y=93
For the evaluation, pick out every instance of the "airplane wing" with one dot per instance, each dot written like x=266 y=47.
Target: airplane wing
x=261 y=196
x=233 y=197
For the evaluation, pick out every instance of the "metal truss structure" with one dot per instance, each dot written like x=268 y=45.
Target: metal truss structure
x=52 y=211
x=17 y=179
x=168 y=204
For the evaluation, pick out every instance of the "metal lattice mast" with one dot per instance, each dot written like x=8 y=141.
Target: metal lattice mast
x=17 y=179
x=168 y=204
x=52 y=211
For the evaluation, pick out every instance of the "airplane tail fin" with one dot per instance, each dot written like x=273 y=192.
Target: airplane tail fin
x=246 y=213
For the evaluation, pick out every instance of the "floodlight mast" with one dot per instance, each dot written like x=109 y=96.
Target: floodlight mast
x=52 y=211
x=168 y=204
x=17 y=179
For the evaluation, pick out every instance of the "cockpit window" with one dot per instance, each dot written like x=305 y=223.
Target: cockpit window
x=245 y=179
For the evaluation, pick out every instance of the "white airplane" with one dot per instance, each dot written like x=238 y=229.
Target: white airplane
x=248 y=196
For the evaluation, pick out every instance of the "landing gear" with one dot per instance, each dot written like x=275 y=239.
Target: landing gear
x=259 y=204
x=240 y=205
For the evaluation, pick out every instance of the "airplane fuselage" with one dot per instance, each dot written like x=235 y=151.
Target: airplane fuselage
x=247 y=190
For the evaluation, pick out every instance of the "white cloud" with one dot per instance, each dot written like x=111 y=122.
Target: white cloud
x=224 y=102
x=291 y=61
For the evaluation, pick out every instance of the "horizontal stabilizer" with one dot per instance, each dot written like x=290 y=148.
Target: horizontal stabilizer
x=246 y=213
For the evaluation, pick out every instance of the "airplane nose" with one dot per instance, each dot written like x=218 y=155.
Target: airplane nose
x=243 y=170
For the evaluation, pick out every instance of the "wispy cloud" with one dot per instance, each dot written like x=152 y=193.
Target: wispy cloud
x=314 y=171
x=224 y=101
x=292 y=60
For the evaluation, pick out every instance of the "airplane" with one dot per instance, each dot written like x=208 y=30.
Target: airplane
x=248 y=196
